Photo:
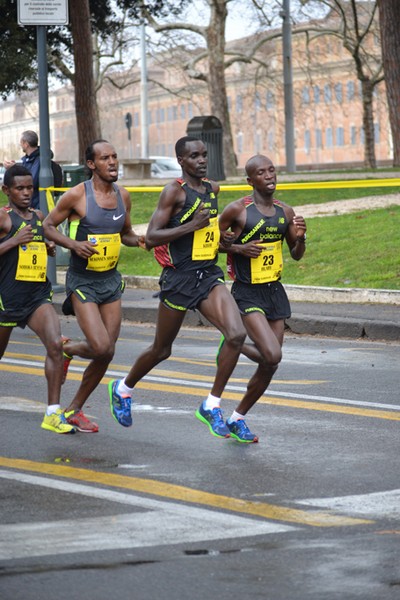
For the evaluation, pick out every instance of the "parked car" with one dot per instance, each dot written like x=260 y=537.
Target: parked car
x=2 y=171
x=165 y=167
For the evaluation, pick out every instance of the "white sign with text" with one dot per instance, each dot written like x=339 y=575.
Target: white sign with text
x=42 y=12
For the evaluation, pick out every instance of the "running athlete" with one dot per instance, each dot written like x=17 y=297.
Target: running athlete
x=260 y=224
x=98 y=212
x=184 y=231
x=25 y=291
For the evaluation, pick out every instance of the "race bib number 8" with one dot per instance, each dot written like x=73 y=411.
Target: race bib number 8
x=206 y=241
x=108 y=247
x=32 y=262
x=268 y=265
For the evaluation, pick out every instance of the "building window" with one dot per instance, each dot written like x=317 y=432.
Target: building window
x=306 y=95
x=270 y=99
x=149 y=117
x=307 y=141
x=350 y=91
x=317 y=94
x=353 y=135
x=338 y=92
x=318 y=138
x=229 y=103
x=183 y=111
x=327 y=93
x=339 y=136
x=376 y=133
x=239 y=141
x=271 y=140
x=190 y=110
x=160 y=115
x=329 y=139
x=239 y=103
x=362 y=136
x=136 y=119
x=257 y=102
x=258 y=142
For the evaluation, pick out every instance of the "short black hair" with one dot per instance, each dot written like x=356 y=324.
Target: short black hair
x=13 y=172
x=89 y=153
x=181 y=144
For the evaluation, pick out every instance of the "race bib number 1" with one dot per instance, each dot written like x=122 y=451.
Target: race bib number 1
x=268 y=265
x=32 y=262
x=108 y=247
x=206 y=241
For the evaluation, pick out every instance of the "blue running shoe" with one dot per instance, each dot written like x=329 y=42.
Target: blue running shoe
x=120 y=405
x=241 y=433
x=213 y=419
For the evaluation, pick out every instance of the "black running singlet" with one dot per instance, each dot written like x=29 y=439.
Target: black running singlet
x=271 y=232
x=198 y=249
x=23 y=268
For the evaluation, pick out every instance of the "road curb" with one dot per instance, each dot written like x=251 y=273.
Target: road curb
x=299 y=293
x=328 y=312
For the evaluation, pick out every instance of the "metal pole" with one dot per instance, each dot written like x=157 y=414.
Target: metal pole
x=46 y=178
x=288 y=87
x=143 y=93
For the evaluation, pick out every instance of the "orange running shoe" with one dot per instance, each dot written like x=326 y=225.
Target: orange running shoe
x=80 y=421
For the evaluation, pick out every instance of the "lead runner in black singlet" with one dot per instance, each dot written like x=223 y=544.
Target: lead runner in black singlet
x=185 y=234
x=98 y=212
x=259 y=225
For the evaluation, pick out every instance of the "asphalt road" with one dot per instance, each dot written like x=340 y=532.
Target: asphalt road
x=165 y=510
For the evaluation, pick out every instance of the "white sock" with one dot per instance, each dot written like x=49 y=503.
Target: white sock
x=124 y=389
x=235 y=416
x=51 y=409
x=211 y=402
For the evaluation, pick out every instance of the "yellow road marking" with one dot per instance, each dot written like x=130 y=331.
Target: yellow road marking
x=174 y=389
x=184 y=494
x=210 y=378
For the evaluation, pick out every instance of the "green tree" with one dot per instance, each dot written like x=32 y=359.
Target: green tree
x=70 y=51
x=389 y=15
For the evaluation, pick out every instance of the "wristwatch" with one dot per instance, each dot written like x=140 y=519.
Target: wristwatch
x=302 y=238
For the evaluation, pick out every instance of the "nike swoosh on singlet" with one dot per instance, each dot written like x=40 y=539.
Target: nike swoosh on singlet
x=116 y=218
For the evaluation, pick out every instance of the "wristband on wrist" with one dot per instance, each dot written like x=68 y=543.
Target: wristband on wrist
x=302 y=239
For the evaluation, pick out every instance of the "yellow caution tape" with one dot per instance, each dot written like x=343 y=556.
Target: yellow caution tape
x=309 y=185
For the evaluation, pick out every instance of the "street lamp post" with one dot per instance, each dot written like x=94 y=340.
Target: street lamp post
x=288 y=87
x=143 y=93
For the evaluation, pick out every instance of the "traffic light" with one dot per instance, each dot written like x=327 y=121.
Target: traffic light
x=128 y=120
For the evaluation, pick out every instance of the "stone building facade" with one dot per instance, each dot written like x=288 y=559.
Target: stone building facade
x=327 y=109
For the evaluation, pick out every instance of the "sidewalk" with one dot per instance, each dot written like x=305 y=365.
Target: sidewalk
x=329 y=312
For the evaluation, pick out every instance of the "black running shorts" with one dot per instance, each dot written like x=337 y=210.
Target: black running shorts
x=18 y=309
x=184 y=290
x=269 y=299
x=99 y=291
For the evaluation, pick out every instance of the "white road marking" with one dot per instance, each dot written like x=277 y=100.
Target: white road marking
x=158 y=523
x=231 y=387
x=21 y=404
x=376 y=504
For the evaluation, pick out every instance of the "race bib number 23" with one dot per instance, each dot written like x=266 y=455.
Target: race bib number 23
x=268 y=265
